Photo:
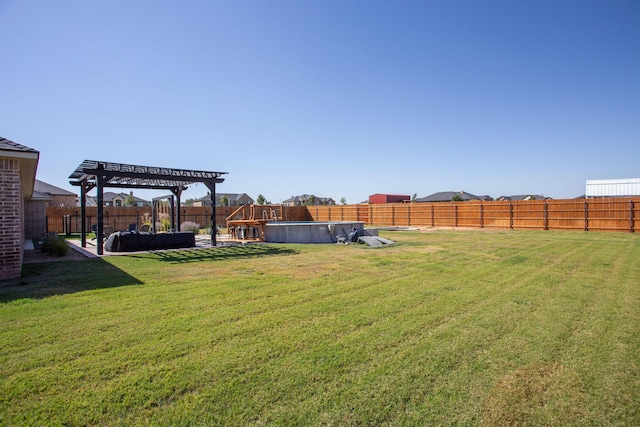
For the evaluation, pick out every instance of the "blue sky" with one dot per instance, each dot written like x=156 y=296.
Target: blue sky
x=332 y=98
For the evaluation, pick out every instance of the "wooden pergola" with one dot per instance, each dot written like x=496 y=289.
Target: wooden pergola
x=96 y=174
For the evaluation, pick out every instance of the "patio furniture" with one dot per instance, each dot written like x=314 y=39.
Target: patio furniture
x=107 y=230
x=128 y=241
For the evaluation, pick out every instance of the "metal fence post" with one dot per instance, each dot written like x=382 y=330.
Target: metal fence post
x=455 y=215
x=510 y=216
x=586 y=215
x=433 y=220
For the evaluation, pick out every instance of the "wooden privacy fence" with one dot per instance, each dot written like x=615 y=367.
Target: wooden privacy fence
x=602 y=214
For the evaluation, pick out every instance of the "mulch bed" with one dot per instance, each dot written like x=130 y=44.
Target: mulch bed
x=37 y=256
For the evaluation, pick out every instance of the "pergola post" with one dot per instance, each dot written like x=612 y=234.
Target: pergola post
x=100 y=228
x=179 y=217
x=211 y=185
x=177 y=192
x=83 y=214
x=172 y=209
x=154 y=216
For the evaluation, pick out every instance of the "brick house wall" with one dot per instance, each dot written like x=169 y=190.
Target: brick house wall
x=35 y=214
x=11 y=219
x=35 y=209
x=35 y=218
x=66 y=201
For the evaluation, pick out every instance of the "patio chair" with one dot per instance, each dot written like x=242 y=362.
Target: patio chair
x=106 y=231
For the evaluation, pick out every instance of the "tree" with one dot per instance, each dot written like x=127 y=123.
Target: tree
x=189 y=202
x=130 y=200
x=456 y=198
x=414 y=197
x=260 y=200
x=343 y=201
x=224 y=200
x=311 y=201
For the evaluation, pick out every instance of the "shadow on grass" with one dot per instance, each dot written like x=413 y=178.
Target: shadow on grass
x=215 y=254
x=41 y=280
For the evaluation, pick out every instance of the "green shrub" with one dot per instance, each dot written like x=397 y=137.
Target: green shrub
x=55 y=245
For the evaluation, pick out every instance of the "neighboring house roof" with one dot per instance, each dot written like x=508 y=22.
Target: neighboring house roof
x=294 y=199
x=28 y=158
x=447 y=196
x=38 y=195
x=51 y=190
x=237 y=197
x=230 y=196
x=301 y=199
x=108 y=196
x=524 y=197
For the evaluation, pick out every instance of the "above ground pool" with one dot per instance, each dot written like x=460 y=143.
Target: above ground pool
x=310 y=232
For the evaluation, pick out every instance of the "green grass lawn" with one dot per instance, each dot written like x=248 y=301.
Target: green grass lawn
x=444 y=328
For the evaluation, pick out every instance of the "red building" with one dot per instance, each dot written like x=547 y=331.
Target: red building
x=388 y=198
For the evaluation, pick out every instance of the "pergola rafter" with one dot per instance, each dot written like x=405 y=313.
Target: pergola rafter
x=97 y=174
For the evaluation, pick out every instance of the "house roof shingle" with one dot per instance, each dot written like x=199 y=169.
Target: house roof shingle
x=230 y=196
x=51 y=190
x=304 y=197
x=523 y=197
x=8 y=145
x=447 y=196
x=28 y=159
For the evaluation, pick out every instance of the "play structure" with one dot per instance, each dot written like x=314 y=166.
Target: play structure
x=265 y=223
x=163 y=213
x=248 y=222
